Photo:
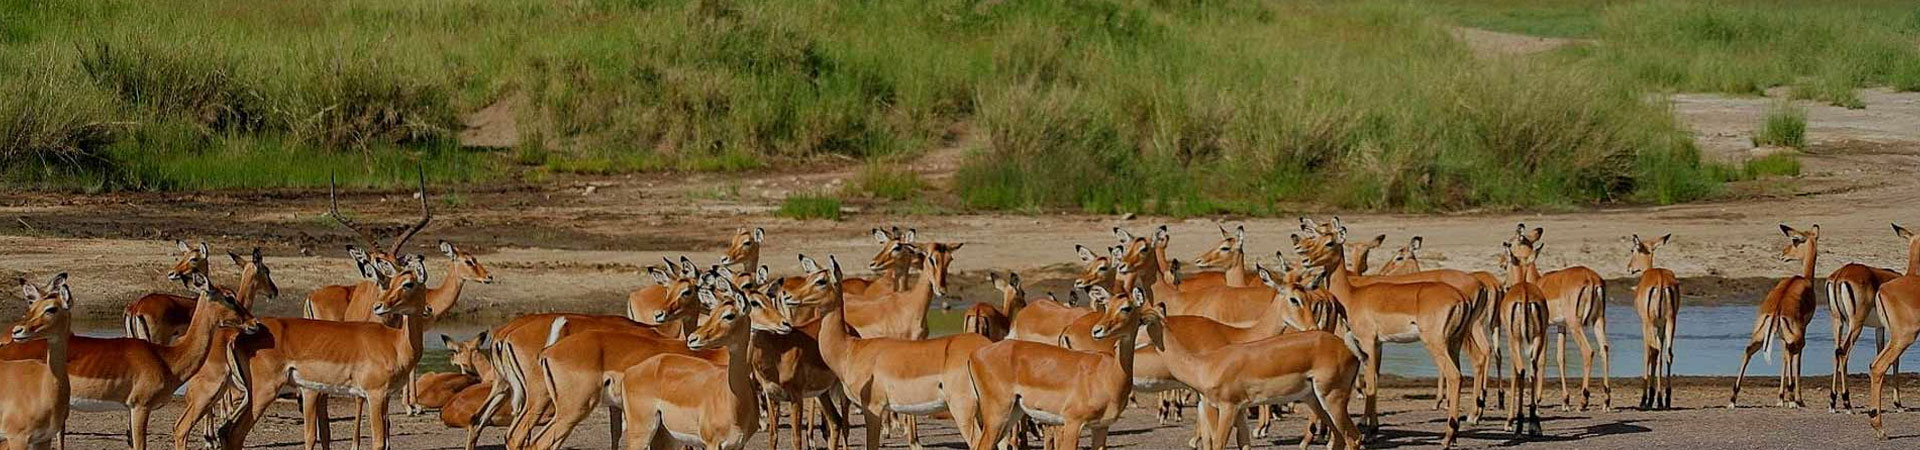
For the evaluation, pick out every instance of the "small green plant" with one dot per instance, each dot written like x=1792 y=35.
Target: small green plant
x=1777 y=164
x=810 y=205
x=1785 y=126
x=887 y=181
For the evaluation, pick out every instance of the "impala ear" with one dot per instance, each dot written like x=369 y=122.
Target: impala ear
x=1160 y=235
x=1378 y=241
x=994 y=279
x=1240 y=236
x=1223 y=230
x=1902 y=232
x=1296 y=240
x=482 y=339
x=1663 y=240
x=1122 y=235
x=59 y=286
x=687 y=269
x=807 y=265
x=446 y=341
x=761 y=275
x=1266 y=276
x=184 y=248
x=1013 y=279
x=29 y=291
x=203 y=248
x=881 y=236
x=447 y=248
x=257 y=259
x=1520 y=230
x=1534 y=236
x=1086 y=256
x=1116 y=252
x=759 y=234
x=909 y=236
x=1098 y=294
x=706 y=298
x=1786 y=230
x=1138 y=296
x=236 y=259
x=724 y=273
x=419 y=267
x=1337 y=224
x=835 y=262
x=1307 y=225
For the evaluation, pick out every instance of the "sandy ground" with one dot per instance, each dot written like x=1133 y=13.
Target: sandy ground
x=1700 y=421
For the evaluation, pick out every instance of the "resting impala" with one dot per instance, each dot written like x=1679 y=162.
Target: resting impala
x=33 y=409
x=1851 y=290
x=140 y=376
x=1014 y=378
x=587 y=368
x=1315 y=366
x=473 y=358
x=1899 y=309
x=1784 y=315
x=367 y=360
x=1657 y=299
x=437 y=389
x=1576 y=300
x=1432 y=313
x=160 y=317
x=891 y=375
x=1522 y=311
x=991 y=321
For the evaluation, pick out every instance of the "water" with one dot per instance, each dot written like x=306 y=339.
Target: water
x=1710 y=341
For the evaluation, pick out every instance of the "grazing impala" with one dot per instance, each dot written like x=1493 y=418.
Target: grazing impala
x=140 y=376
x=367 y=360
x=1522 y=311
x=33 y=409
x=1851 y=291
x=160 y=317
x=993 y=322
x=1784 y=315
x=1657 y=299
x=1432 y=313
x=891 y=375
x=1013 y=378
x=587 y=368
x=1899 y=309
x=1576 y=300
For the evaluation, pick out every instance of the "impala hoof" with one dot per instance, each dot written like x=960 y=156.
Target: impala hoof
x=1730 y=405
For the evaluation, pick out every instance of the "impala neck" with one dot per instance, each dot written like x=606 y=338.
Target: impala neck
x=1012 y=304
x=484 y=365
x=1236 y=270
x=1813 y=254
x=740 y=377
x=1913 y=258
x=410 y=349
x=1129 y=338
x=835 y=343
x=248 y=287
x=1340 y=278
x=185 y=356
x=442 y=297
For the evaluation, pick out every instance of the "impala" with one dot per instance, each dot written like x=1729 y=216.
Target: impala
x=991 y=321
x=897 y=257
x=351 y=302
x=903 y=314
x=662 y=305
x=584 y=369
x=160 y=317
x=1657 y=299
x=1576 y=301
x=368 y=360
x=892 y=375
x=678 y=398
x=1357 y=252
x=1230 y=255
x=1899 y=309
x=1784 y=316
x=1522 y=311
x=791 y=369
x=1406 y=260
x=1432 y=313
x=33 y=409
x=436 y=389
x=1851 y=290
x=1014 y=378
x=1098 y=270
x=140 y=376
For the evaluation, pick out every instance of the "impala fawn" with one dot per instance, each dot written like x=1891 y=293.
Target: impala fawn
x=33 y=409
x=1657 y=299
x=1784 y=315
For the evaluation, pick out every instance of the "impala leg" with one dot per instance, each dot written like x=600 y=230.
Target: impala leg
x=1560 y=354
x=199 y=399
x=1067 y=437
x=1843 y=335
x=645 y=432
x=1650 y=365
x=313 y=407
x=1606 y=354
x=836 y=421
x=1796 y=354
x=873 y=426
x=1538 y=362
x=1877 y=377
x=359 y=413
x=1482 y=347
x=137 y=433
x=376 y=413
x=1450 y=371
x=484 y=416
x=1513 y=383
x=1666 y=382
x=1753 y=346
x=1373 y=386
x=571 y=404
x=1099 y=438
x=1579 y=332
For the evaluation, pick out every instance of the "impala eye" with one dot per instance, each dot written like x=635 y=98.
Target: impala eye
x=728 y=317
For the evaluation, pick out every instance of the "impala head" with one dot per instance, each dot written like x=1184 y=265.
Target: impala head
x=934 y=262
x=1800 y=244
x=371 y=265
x=406 y=289
x=820 y=287
x=1099 y=269
x=744 y=248
x=1305 y=305
x=1123 y=313
x=1519 y=259
x=231 y=313
x=1136 y=253
x=680 y=285
x=1357 y=251
x=1525 y=242
x=897 y=250
x=1642 y=259
x=192 y=260
x=49 y=309
x=1231 y=250
x=733 y=316
x=1010 y=291
x=254 y=272
x=1321 y=251
x=465 y=266
x=467 y=354
x=1913 y=240
x=1405 y=260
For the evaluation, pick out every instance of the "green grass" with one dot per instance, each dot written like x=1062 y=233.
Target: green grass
x=810 y=205
x=1778 y=164
x=1785 y=126
x=1176 y=108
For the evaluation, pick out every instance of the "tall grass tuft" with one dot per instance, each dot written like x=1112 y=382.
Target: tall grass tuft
x=887 y=181
x=810 y=205
x=1784 y=126
x=47 y=137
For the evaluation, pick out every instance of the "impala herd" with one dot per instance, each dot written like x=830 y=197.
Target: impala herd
x=708 y=356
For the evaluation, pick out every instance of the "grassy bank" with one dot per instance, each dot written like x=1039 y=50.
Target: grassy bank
x=1097 y=105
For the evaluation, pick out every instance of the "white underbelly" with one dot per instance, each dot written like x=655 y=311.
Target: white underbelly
x=920 y=409
x=1043 y=417
x=1282 y=399
x=1156 y=384
x=1411 y=334
x=326 y=388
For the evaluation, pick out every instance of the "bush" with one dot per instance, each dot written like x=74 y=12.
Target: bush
x=1785 y=126
x=810 y=205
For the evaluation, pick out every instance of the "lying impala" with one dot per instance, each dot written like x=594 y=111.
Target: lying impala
x=33 y=409
x=1784 y=315
x=1851 y=291
x=140 y=376
x=991 y=321
x=1014 y=378
x=882 y=375
x=1522 y=311
x=1657 y=299
x=692 y=399
x=1899 y=309
x=1434 y=314
x=587 y=368
x=367 y=360
x=159 y=317
x=1576 y=300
